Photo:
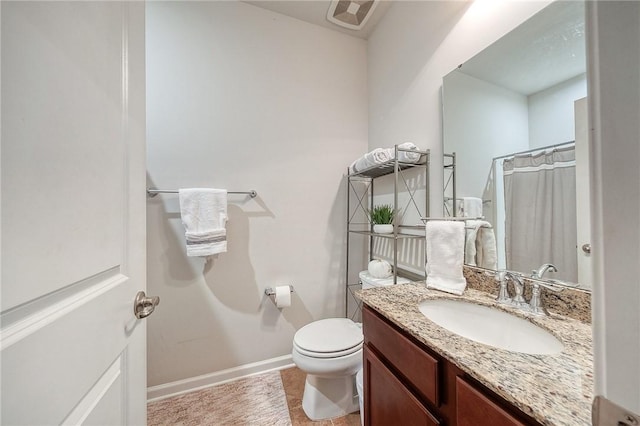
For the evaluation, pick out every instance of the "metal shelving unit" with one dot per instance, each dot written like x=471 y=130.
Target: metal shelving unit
x=450 y=185
x=360 y=196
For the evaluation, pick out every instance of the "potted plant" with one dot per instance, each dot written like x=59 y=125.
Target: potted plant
x=382 y=218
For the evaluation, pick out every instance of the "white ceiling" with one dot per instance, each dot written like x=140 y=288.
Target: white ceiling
x=546 y=50
x=315 y=12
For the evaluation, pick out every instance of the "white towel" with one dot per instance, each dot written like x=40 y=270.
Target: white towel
x=471 y=207
x=445 y=256
x=377 y=156
x=382 y=155
x=480 y=244
x=486 y=250
x=204 y=216
x=408 y=157
x=369 y=282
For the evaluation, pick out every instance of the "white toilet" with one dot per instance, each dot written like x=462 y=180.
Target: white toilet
x=330 y=352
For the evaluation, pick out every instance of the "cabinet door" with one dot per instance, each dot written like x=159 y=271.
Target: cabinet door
x=413 y=363
x=476 y=409
x=387 y=401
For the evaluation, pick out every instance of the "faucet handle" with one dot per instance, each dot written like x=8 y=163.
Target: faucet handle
x=503 y=294
x=518 y=286
x=536 y=306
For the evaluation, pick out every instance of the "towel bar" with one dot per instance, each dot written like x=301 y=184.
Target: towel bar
x=152 y=192
x=424 y=219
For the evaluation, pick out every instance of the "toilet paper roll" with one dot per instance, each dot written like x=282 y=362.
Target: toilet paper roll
x=283 y=296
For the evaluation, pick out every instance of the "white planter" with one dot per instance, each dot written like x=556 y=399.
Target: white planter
x=383 y=229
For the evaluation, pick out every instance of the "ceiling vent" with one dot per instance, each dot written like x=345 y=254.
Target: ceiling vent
x=352 y=14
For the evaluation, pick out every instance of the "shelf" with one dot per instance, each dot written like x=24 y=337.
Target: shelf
x=387 y=168
x=391 y=236
x=407 y=238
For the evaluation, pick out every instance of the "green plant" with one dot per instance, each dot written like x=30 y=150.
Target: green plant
x=382 y=214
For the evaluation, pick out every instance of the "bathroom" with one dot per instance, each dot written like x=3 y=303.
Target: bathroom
x=224 y=82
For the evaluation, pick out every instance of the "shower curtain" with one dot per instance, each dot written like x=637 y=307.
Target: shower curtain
x=540 y=203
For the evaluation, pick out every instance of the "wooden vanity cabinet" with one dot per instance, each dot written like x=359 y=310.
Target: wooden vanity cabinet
x=406 y=383
x=388 y=401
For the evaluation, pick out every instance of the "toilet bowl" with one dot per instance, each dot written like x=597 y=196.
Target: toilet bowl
x=330 y=352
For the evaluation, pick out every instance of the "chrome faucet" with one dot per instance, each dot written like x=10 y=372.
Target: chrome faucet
x=535 y=305
x=539 y=273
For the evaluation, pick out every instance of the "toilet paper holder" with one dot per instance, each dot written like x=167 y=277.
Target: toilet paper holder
x=271 y=292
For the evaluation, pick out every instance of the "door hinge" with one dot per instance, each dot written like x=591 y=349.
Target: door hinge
x=606 y=413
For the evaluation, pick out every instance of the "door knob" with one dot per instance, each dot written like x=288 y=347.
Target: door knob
x=586 y=248
x=144 y=306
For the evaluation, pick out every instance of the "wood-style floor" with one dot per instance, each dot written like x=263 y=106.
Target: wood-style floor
x=273 y=398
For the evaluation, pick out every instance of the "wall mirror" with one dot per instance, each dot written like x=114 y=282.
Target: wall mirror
x=516 y=147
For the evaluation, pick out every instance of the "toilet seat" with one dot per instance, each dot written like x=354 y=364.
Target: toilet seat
x=329 y=338
x=313 y=354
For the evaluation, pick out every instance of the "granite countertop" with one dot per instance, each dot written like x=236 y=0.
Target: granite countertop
x=553 y=389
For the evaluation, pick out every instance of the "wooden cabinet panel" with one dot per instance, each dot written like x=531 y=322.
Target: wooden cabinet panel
x=475 y=409
x=417 y=367
x=405 y=384
x=387 y=400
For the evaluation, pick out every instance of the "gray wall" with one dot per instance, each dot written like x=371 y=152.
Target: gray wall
x=243 y=98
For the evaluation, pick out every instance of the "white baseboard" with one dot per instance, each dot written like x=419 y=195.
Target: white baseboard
x=156 y=393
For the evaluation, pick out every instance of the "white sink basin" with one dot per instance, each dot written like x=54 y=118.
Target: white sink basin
x=492 y=327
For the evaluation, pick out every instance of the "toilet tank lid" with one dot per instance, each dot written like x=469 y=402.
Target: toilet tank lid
x=329 y=335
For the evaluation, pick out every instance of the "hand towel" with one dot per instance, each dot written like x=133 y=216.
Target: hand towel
x=486 y=249
x=471 y=234
x=445 y=256
x=471 y=207
x=480 y=244
x=204 y=216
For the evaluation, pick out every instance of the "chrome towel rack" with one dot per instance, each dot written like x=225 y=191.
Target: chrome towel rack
x=152 y=192
x=457 y=218
x=425 y=219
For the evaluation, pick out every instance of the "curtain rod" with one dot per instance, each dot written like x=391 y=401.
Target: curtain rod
x=542 y=148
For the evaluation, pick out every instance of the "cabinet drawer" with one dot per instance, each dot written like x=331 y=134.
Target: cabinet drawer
x=416 y=366
x=387 y=401
x=474 y=408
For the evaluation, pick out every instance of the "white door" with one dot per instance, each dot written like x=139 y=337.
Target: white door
x=583 y=196
x=73 y=223
x=613 y=43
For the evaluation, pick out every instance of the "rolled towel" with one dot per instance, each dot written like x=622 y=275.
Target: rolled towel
x=370 y=159
x=369 y=281
x=445 y=256
x=408 y=157
x=382 y=155
x=204 y=216
x=377 y=156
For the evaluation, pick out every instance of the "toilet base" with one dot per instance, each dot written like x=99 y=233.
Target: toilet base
x=325 y=398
